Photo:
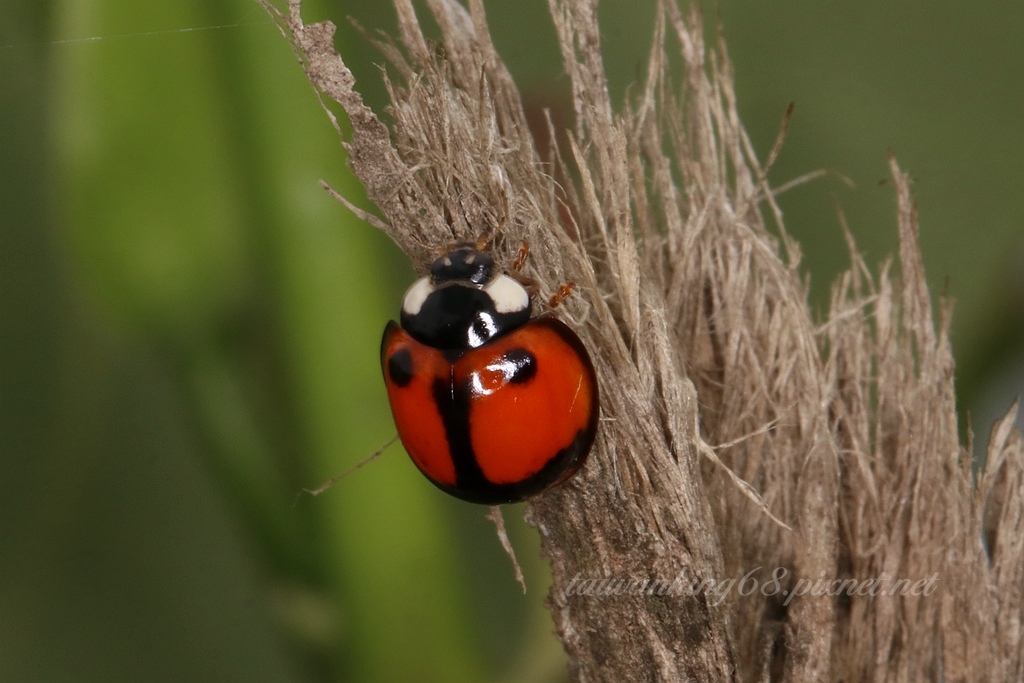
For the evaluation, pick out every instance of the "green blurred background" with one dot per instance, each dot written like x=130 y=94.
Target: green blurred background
x=189 y=325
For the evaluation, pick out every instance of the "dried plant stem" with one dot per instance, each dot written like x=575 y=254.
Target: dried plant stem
x=839 y=458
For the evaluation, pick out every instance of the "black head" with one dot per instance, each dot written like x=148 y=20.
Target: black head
x=463 y=262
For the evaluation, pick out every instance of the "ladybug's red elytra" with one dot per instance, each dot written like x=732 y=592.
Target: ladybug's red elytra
x=493 y=406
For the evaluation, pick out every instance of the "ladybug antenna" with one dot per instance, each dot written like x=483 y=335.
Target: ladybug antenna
x=334 y=480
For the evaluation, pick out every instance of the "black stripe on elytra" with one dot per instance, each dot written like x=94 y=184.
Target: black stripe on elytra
x=559 y=468
x=453 y=403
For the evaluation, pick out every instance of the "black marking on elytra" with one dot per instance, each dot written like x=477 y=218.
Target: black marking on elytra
x=453 y=405
x=559 y=468
x=525 y=364
x=400 y=368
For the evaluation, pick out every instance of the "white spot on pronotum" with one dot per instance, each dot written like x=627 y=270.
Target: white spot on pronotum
x=416 y=295
x=508 y=295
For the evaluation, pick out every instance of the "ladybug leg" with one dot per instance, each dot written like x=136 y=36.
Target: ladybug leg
x=562 y=294
x=515 y=272
x=521 y=256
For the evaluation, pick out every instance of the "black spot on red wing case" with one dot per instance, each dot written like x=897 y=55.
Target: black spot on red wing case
x=400 y=367
x=524 y=365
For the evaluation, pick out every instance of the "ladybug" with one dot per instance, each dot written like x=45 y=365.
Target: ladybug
x=492 y=405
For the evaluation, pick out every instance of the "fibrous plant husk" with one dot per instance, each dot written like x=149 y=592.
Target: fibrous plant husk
x=771 y=497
